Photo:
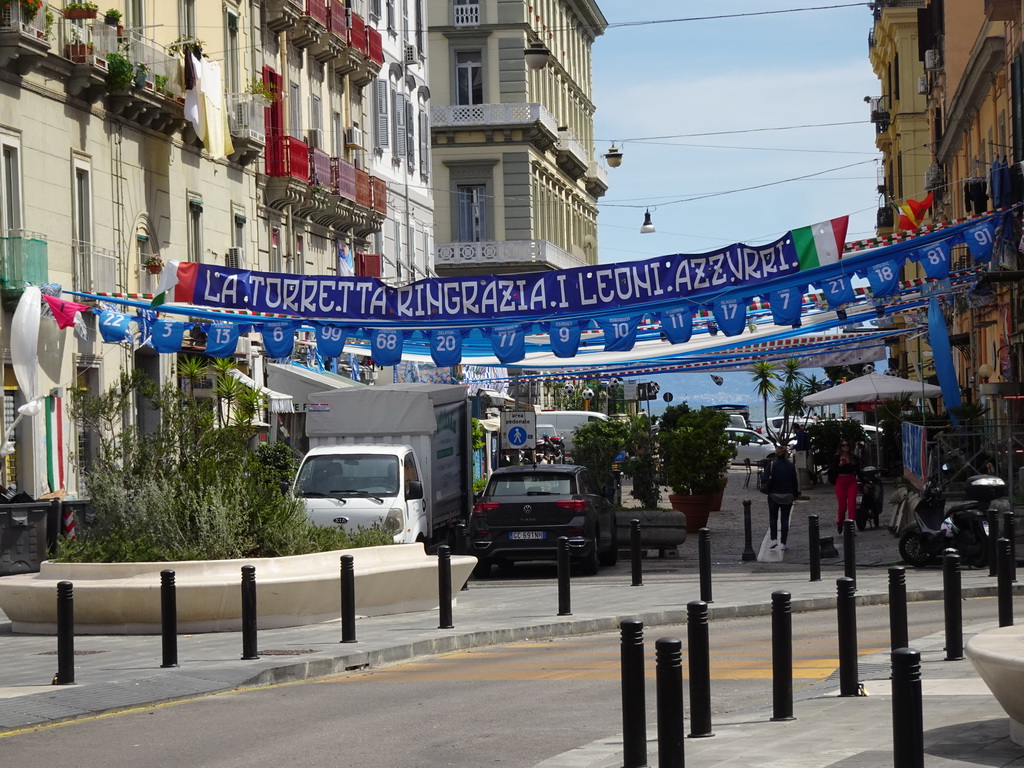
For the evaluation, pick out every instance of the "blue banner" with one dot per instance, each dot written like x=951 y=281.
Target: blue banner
x=115 y=326
x=508 y=342
x=167 y=336
x=278 y=339
x=942 y=356
x=330 y=339
x=221 y=339
x=884 y=279
x=915 y=457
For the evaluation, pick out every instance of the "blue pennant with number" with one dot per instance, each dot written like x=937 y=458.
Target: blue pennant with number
x=564 y=336
x=837 y=290
x=167 y=336
x=446 y=347
x=278 y=339
x=115 y=326
x=330 y=339
x=731 y=316
x=935 y=259
x=786 y=305
x=619 y=332
x=386 y=346
x=508 y=342
x=677 y=325
x=221 y=340
x=884 y=278
x=981 y=240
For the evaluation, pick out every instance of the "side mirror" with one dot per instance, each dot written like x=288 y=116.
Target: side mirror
x=415 y=490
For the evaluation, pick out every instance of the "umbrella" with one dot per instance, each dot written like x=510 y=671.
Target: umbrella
x=873 y=386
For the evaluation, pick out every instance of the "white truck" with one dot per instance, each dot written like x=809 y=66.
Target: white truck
x=398 y=455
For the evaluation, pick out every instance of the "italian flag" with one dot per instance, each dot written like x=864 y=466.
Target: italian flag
x=820 y=244
x=179 y=275
x=54 y=443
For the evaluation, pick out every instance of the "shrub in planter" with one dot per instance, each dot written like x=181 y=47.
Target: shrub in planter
x=695 y=451
x=826 y=434
x=120 y=72
x=597 y=443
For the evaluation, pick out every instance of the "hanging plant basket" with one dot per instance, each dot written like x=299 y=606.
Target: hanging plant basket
x=154 y=269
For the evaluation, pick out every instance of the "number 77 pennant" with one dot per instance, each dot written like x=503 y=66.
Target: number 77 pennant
x=508 y=342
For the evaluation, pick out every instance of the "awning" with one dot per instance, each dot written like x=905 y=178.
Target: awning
x=300 y=382
x=278 y=402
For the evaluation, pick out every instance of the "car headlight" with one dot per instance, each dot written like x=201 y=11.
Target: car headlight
x=394 y=520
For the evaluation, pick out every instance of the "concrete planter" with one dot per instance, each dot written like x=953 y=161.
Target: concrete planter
x=124 y=598
x=659 y=529
x=998 y=656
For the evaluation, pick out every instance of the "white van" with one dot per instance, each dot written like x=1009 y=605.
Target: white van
x=565 y=423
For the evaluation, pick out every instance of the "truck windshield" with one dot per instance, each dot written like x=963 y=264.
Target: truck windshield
x=353 y=474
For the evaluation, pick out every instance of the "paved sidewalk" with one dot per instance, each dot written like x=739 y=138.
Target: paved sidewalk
x=114 y=672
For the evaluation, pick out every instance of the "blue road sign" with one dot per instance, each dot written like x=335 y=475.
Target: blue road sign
x=517 y=437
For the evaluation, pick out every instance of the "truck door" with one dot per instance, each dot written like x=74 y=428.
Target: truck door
x=416 y=509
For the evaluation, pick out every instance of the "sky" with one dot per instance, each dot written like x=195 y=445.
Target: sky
x=732 y=74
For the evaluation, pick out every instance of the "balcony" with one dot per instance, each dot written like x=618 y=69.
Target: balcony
x=281 y=15
x=23 y=38
x=501 y=256
x=596 y=179
x=466 y=14
x=535 y=117
x=570 y=154
x=311 y=26
x=319 y=168
x=246 y=124
x=379 y=189
x=332 y=44
x=286 y=164
x=23 y=261
x=343 y=178
x=95 y=268
x=1002 y=10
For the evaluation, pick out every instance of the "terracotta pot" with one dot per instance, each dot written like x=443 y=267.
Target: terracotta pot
x=80 y=13
x=154 y=269
x=697 y=509
x=716 y=500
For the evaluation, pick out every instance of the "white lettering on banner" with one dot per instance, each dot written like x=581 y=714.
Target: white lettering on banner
x=325 y=304
x=602 y=277
x=309 y=293
x=563 y=301
x=584 y=299
x=539 y=296
x=290 y=288
x=507 y=299
x=379 y=301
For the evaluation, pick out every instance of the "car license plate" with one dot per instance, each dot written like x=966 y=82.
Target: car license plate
x=527 y=535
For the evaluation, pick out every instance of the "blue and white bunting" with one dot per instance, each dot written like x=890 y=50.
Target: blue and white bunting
x=786 y=305
x=677 y=325
x=619 y=332
x=837 y=290
x=221 y=339
x=884 y=278
x=115 y=327
x=446 y=347
x=981 y=240
x=386 y=346
x=731 y=316
x=330 y=339
x=508 y=342
x=564 y=337
x=935 y=260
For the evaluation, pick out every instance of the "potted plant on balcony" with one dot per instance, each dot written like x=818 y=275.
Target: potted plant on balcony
x=267 y=92
x=80 y=10
x=141 y=74
x=29 y=8
x=695 y=456
x=112 y=17
x=153 y=264
x=120 y=72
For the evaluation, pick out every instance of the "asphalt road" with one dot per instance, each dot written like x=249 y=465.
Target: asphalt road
x=511 y=705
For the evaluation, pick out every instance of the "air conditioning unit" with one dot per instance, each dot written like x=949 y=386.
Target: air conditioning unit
x=353 y=138
x=411 y=57
x=236 y=258
x=932 y=60
x=313 y=138
x=922 y=84
x=244 y=347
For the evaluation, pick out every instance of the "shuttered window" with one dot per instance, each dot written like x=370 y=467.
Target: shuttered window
x=401 y=137
x=380 y=93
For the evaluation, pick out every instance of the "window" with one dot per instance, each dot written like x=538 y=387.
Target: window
x=316 y=124
x=83 y=206
x=336 y=136
x=401 y=135
x=419 y=24
x=294 y=111
x=231 y=76
x=187 y=18
x=410 y=135
x=472 y=227
x=469 y=78
x=10 y=186
x=380 y=97
x=375 y=10
x=391 y=15
x=424 y=144
x=137 y=13
x=195 y=230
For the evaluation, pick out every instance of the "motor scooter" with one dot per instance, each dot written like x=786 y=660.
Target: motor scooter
x=960 y=526
x=870 y=497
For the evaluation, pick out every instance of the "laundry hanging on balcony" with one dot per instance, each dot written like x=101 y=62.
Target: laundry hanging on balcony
x=205 y=107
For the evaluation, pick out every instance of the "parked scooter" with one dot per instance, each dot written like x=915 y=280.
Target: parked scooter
x=960 y=526
x=870 y=498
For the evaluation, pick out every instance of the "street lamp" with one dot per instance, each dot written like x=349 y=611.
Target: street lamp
x=536 y=55
x=647 y=227
x=613 y=157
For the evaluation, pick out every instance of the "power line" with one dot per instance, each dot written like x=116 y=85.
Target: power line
x=732 y=15
x=746 y=130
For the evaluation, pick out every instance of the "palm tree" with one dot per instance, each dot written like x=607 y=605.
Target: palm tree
x=192 y=369
x=765 y=378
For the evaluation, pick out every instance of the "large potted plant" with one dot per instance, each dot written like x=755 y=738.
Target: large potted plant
x=695 y=455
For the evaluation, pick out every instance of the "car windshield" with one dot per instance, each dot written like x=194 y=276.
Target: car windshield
x=532 y=484
x=349 y=475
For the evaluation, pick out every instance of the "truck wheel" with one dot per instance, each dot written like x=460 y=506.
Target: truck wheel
x=611 y=556
x=482 y=570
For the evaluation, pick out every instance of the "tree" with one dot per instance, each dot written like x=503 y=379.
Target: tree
x=641 y=466
x=596 y=444
x=765 y=378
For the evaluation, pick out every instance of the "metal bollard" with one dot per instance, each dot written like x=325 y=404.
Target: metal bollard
x=635 y=554
x=846 y=609
x=782 y=656
x=668 y=655
x=698 y=649
x=348 y=599
x=444 y=587
x=748 y=547
x=66 y=634
x=850 y=550
x=1004 y=586
x=460 y=539
x=907 y=715
x=564 y=599
x=952 y=608
x=1010 y=534
x=814 y=546
x=249 y=651
x=168 y=619
x=704 y=563
x=634 y=696
x=898 y=632
x=992 y=518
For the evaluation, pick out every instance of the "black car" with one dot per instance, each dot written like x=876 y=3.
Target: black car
x=524 y=510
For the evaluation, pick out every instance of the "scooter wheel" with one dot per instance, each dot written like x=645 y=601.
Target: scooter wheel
x=910 y=549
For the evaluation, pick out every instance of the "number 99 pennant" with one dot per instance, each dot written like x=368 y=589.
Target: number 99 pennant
x=330 y=340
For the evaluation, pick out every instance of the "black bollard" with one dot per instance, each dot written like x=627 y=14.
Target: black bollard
x=846 y=608
x=993 y=535
x=635 y=553
x=634 y=696
x=66 y=634
x=814 y=546
x=668 y=655
x=907 y=715
x=1004 y=586
x=249 y=651
x=1010 y=534
x=459 y=540
x=564 y=599
x=704 y=563
x=952 y=608
x=348 y=599
x=699 y=652
x=444 y=587
x=748 y=548
x=850 y=550
x=168 y=619
x=898 y=632
x=782 y=656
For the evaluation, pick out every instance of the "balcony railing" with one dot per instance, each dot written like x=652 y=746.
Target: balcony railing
x=567 y=142
x=596 y=171
x=343 y=178
x=466 y=14
x=23 y=261
x=364 y=190
x=14 y=17
x=380 y=194
x=452 y=116
x=287 y=156
x=538 y=253
x=374 y=46
x=317 y=10
x=246 y=117
x=357 y=33
x=336 y=19
x=95 y=268
x=319 y=167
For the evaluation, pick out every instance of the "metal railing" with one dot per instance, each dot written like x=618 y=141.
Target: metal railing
x=14 y=16
x=23 y=259
x=567 y=142
x=246 y=117
x=596 y=171
x=95 y=268
x=536 y=252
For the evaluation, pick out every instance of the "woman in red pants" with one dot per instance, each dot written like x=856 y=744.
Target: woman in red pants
x=845 y=470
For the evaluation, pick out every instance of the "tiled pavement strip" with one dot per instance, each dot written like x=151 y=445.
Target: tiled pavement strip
x=963 y=723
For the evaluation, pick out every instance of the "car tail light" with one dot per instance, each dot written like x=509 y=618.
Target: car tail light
x=483 y=507
x=575 y=505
